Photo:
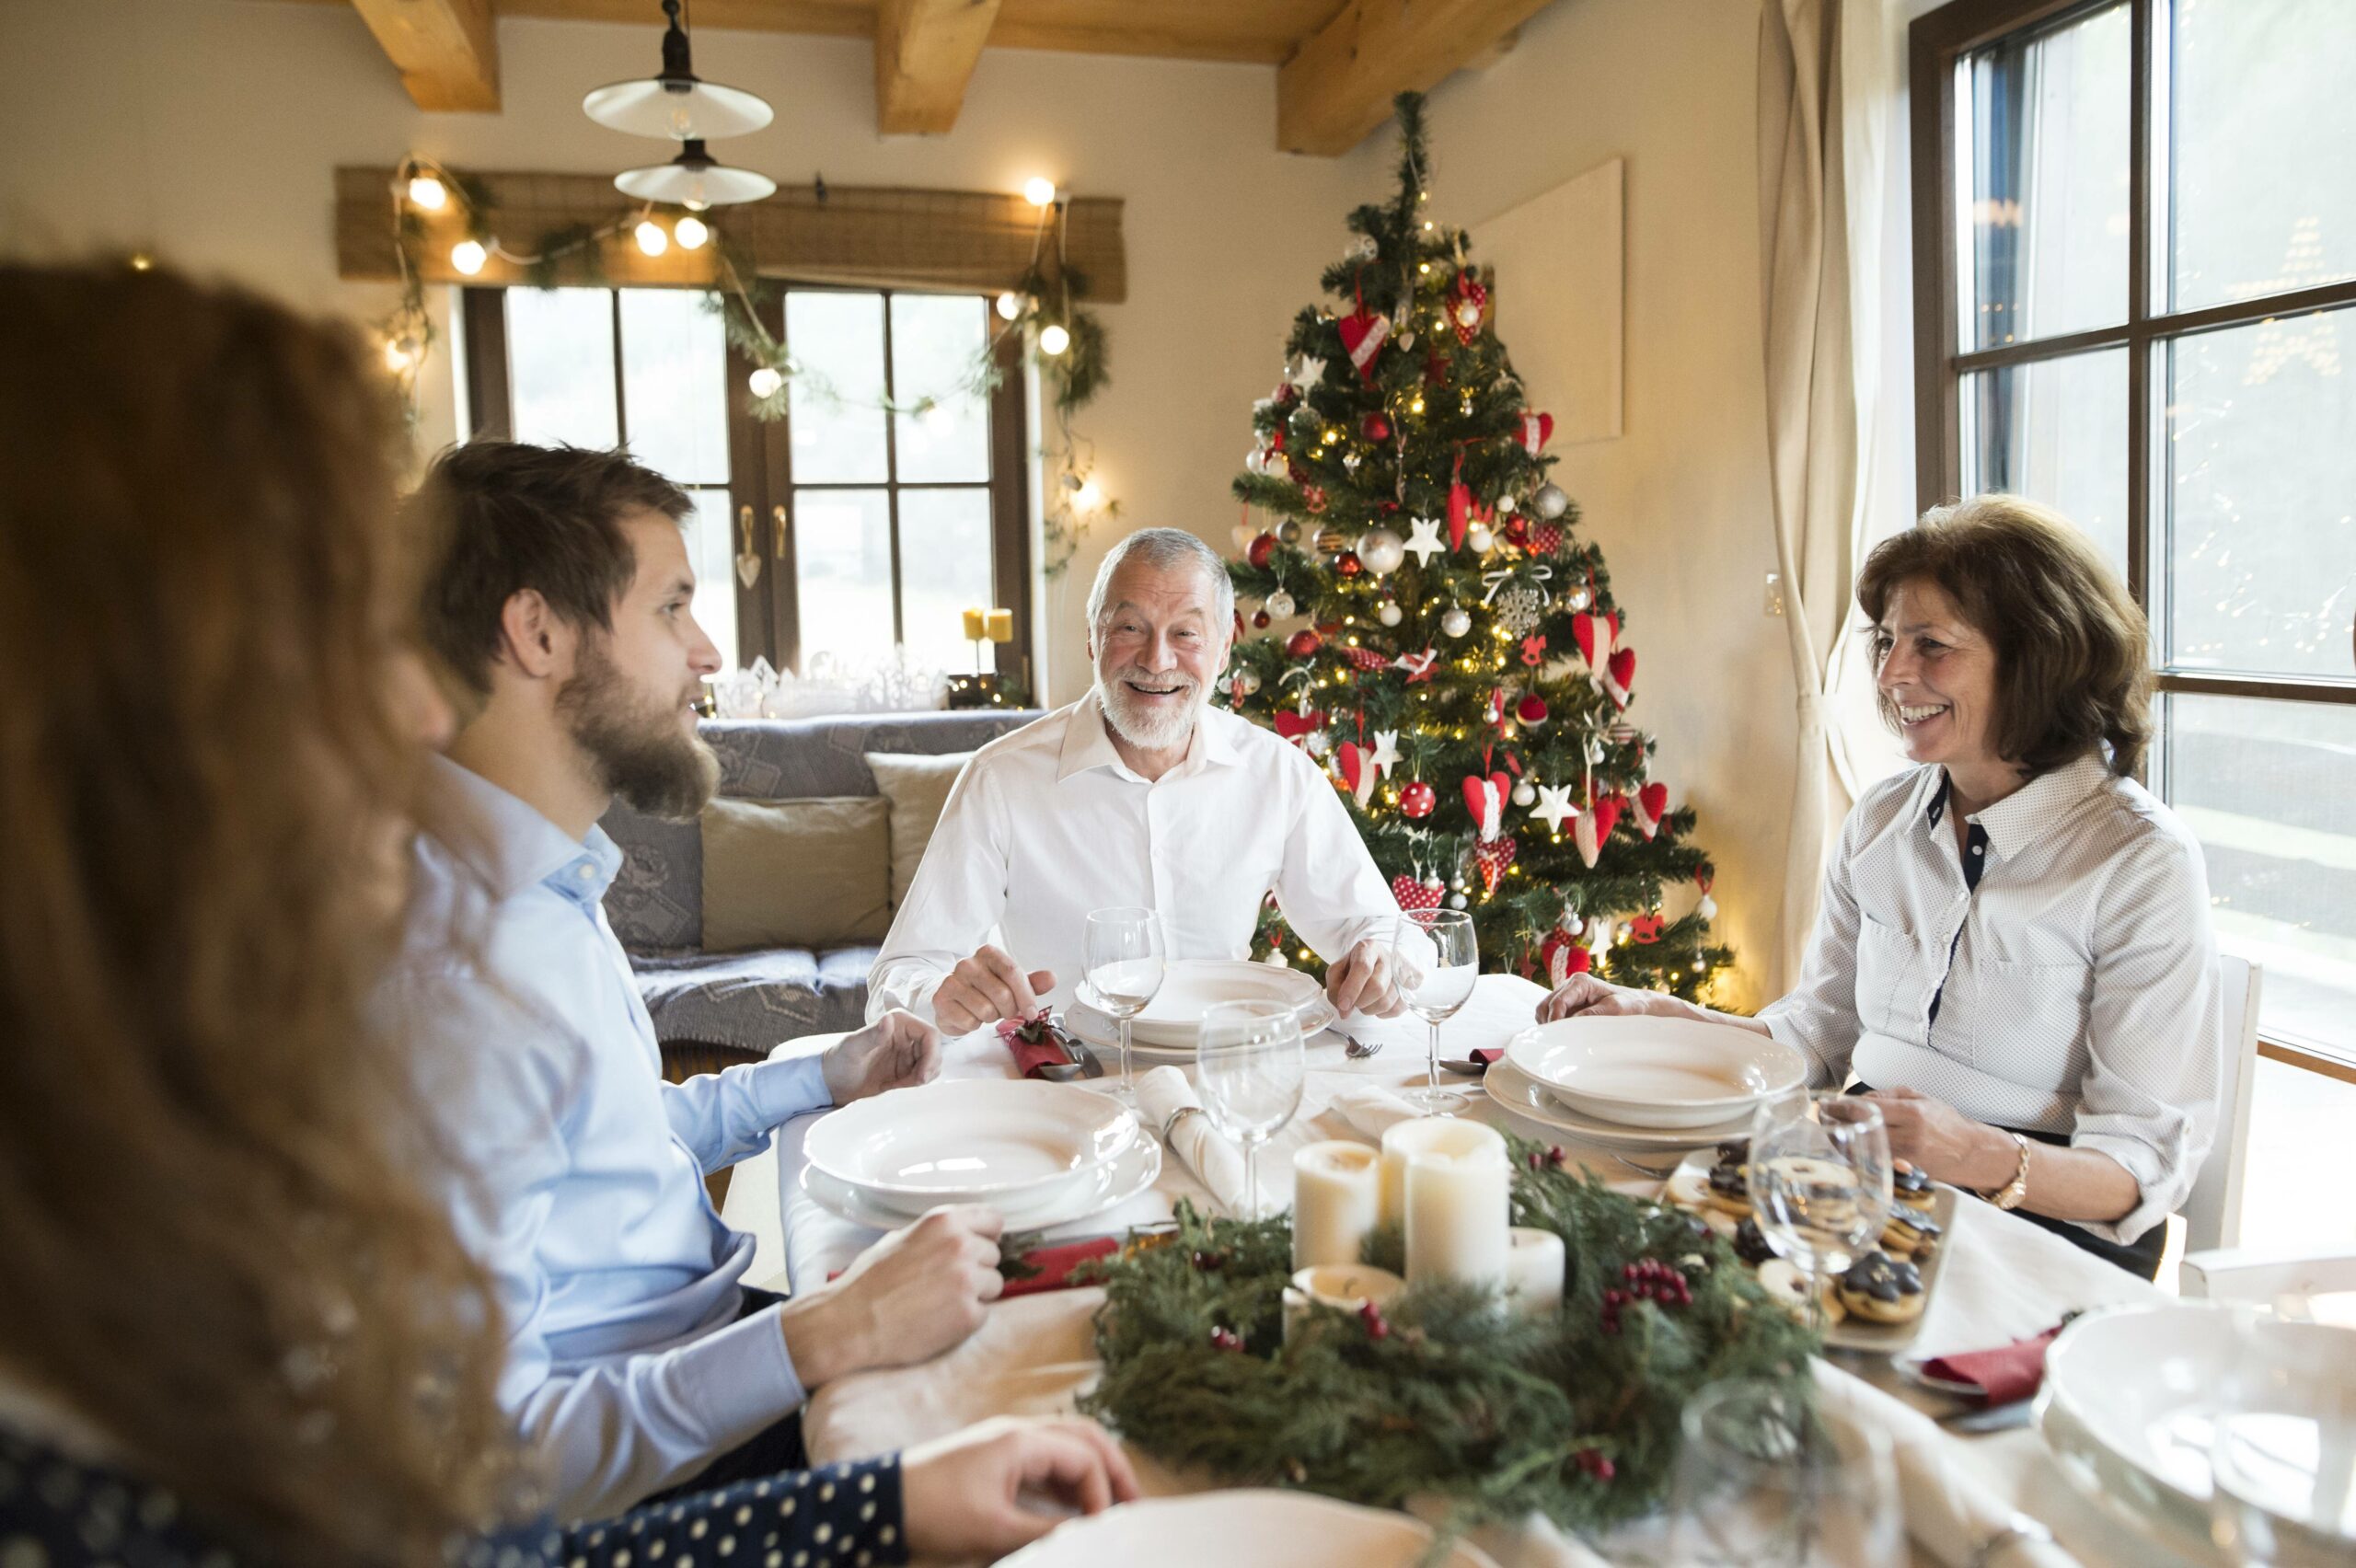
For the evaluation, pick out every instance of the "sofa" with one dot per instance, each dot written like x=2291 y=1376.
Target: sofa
x=711 y=1008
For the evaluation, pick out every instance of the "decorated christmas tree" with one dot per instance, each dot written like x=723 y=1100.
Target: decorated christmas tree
x=1435 y=632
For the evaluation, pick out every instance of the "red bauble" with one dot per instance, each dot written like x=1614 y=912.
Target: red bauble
x=1415 y=799
x=1517 y=529
x=1303 y=644
x=1261 y=547
x=1530 y=709
x=1260 y=619
x=1348 y=564
x=1375 y=427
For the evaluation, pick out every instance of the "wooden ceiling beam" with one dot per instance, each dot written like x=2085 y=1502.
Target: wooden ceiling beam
x=1339 y=85
x=446 y=50
x=925 y=54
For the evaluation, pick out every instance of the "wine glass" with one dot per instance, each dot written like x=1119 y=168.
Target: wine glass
x=1820 y=1182
x=1762 y=1481
x=1124 y=961
x=1436 y=958
x=1249 y=1066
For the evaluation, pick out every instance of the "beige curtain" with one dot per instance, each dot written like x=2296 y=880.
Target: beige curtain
x=1823 y=84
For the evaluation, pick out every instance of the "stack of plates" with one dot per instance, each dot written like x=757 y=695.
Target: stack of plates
x=1041 y=1154
x=1171 y=1023
x=1245 y=1529
x=1644 y=1082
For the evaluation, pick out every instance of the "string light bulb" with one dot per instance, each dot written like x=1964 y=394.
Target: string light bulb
x=395 y=354
x=1010 y=306
x=765 y=382
x=1087 y=497
x=651 y=239
x=427 y=191
x=691 y=232
x=468 y=256
x=1053 y=339
x=142 y=262
x=1039 y=191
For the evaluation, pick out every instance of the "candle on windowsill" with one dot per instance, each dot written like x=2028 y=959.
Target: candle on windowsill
x=977 y=624
x=999 y=624
x=1336 y=1200
x=1460 y=1204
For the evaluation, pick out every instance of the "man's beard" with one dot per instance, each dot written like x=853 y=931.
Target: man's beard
x=643 y=756
x=1149 y=729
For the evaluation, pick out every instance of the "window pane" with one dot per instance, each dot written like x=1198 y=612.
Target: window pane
x=2043 y=227
x=2265 y=187
x=837 y=393
x=936 y=342
x=711 y=549
x=2264 y=785
x=2054 y=431
x=674 y=372
x=944 y=569
x=842 y=542
x=2261 y=495
x=560 y=366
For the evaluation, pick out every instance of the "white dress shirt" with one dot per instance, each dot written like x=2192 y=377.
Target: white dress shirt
x=2073 y=990
x=1049 y=823
x=632 y=1358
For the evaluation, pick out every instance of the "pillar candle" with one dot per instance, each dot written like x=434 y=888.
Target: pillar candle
x=1398 y=1145
x=1336 y=1201
x=1000 y=624
x=977 y=624
x=1348 y=1288
x=1458 y=1205
x=1534 y=1271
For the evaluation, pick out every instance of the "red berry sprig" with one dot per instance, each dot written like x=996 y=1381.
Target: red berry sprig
x=1646 y=1279
x=1551 y=1158
x=1225 y=1338
x=1377 y=1325
x=1594 y=1463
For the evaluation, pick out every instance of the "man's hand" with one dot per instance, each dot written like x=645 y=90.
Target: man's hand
x=913 y=1294
x=1583 y=995
x=895 y=1052
x=1364 y=980
x=987 y=987
x=960 y=1495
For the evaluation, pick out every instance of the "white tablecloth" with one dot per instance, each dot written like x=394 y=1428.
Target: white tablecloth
x=2004 y=1278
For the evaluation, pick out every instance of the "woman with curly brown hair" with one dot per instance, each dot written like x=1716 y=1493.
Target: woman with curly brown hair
x=2013 y=949
x=235 y=1324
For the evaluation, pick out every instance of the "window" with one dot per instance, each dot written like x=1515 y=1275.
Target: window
x=887 y=502
x=2135 y=299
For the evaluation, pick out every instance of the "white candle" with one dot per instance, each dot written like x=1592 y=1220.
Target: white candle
x=1534 y=1271
x=1345 y=1288
x=1458 y=1205
x=1337 y=1199
x=1400 y=1144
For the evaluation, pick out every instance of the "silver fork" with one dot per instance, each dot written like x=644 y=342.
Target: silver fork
x=1357 y=1050
x=1659 y=1173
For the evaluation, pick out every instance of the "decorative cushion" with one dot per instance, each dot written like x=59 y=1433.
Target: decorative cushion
x=751 y=1001
x=813 y=874
x=917 y=788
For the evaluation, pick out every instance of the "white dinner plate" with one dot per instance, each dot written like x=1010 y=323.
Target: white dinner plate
x=969 y=1140
x=1510 y=1087
x=1674 y=1074
x=2130 y=1392
x=1171 y=1023
x=1242 y=1529
x=1135 y=1169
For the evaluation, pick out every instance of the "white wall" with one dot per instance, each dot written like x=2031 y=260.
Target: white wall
x=1679 y=503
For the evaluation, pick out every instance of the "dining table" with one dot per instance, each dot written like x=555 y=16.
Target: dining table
x=2003 y=1279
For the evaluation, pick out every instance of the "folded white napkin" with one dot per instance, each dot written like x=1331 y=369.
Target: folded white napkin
x=1218 y=1164
x=1950 y=1514
x=1372 y=1109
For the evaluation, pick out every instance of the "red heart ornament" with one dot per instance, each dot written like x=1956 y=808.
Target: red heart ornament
x=1412 y=894
x=1493 y=858
x=1536 y=430
x=1352 y=762
x=1564 y=957
x=1605 y=814
x=1292 y=726
x=1650 y=806
x=1485 y=798
x=1620 y=676
x=1459 y=515
x=1364 y=332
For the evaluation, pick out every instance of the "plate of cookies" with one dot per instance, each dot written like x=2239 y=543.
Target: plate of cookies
x=1876 y=1304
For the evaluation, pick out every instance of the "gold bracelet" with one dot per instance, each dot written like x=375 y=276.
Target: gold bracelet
x=2013 y=1193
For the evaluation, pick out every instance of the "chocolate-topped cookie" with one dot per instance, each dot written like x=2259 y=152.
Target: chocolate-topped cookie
x=1883 y=1289
x=1734 y=1151
x=1910 y=1234
x=1750 y=1243
x=1910 y=1186
x=1729 y=1183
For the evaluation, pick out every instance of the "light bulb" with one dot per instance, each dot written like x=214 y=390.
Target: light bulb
x=395 y=354
x=765 y=382
x=1010 y=306
x=691 y=233
x=1086 y=496
x=426 y=192
x=1039 y=191
x=651 y=239
x=1053 y=340
x=468 y=256
x=142 y=262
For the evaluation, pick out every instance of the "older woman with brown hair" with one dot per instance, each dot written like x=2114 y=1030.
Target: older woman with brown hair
x=235 y=1323
x=2013 y=949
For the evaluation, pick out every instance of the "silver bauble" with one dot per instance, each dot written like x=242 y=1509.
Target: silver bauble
x=1288 y=531
x=1523 y=795
x=1380 y=551
x=1479 y=538
x=1248 y=681
x=1707 y=909
x=1578 y=599
x=1551 y=502
x=1316 y=742
x=1391 y=614
x=1456 y=623
x=1456 y=900
x=1280 y=604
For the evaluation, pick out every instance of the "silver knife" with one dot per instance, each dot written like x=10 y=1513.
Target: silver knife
x=1993 y=1418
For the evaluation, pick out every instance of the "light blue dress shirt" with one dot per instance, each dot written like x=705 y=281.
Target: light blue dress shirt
x=631 y=1363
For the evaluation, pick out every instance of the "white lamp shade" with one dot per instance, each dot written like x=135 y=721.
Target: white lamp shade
x=683 y=109
x=692 y=180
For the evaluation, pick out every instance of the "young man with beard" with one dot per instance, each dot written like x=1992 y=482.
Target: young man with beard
x=639 y=1362
x=1139 y=794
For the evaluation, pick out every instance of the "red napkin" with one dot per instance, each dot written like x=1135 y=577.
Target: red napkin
x=2005 y=1375
x=1030 y=1055
x=1487 y=1055
x=1056 y=1263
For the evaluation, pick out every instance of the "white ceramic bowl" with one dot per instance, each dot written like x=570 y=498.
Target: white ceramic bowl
x=1173 y=1020
x=970 y=1140
x=1063 y=1203
x=1667 y=1073
x=1242 y=1529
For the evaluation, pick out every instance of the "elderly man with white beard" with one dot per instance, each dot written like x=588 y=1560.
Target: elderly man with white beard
x=1141 y=794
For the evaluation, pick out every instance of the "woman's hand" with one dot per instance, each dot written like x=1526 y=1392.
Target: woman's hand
x=1943 y=1143
x=961 y=1496
x=1583 y=996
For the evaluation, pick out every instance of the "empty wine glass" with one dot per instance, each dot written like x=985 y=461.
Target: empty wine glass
x=1763 y=1480
x=1436 y=958
x=1124 y=971
x=1249 y=1068
x=1820 y=1182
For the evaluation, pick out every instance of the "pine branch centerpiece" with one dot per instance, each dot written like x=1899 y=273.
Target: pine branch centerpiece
x=1442 y=1393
